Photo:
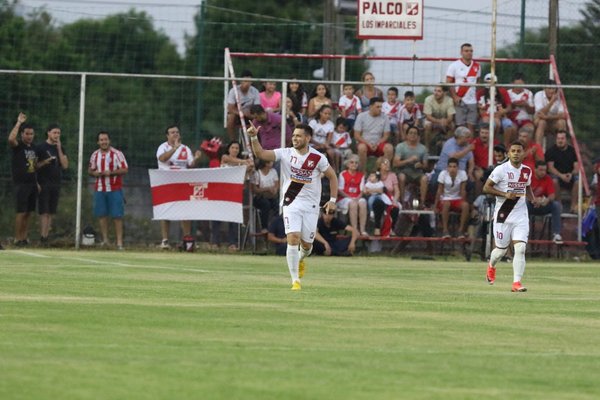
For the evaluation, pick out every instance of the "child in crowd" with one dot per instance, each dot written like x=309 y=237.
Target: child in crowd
x=409 y=114
x=349 y=106
x=375 y=189
x=319 y=97
x=391 y=108
x=270 y=98
x=341 y=140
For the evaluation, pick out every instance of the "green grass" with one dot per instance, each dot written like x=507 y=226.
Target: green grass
x=108 y=325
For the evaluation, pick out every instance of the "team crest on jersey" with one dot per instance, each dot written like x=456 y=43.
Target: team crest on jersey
x=198 y=191
x=310 y=164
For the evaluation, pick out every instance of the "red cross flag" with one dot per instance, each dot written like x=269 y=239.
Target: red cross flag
x=213 y=194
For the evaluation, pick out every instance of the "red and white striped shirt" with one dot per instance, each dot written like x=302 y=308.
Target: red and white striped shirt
x=110 y=160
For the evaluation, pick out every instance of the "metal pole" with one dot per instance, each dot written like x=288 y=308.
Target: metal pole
x=199 y=68
x=226 y=59
x=80 y=162
x=283 y=113
x=522 y=34
x=492 y=86
x=342 y=75
x=553 y=26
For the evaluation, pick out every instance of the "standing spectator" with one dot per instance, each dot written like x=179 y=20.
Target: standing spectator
x=265 y=186
x=464 y=70
x=533 y=151
x=408 y=116
x=503 y=109
x=372 y=133
x=368 y=90
x=51 y=162
x=351 y=185
x=549 y=112
x=439 y=118
x=108 y=165
x=174 y=155
x=411 y=159
x=270 y=98
x=299 y=97
x=391 y=108
x=24 y=178
x=563 y=167
x=270 y=123
x=326 y=240
x=349 y=105
x=522 y=102
x=452 y=196
x=545 y=199
x=319 y=97
x=249 y=96
x=386 y=210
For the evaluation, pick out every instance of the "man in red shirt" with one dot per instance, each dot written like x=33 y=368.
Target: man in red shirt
x=108 y=165
x=481 y=145
x=533 y=151
x=544 y=201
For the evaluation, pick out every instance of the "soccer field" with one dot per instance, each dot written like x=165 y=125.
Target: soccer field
x=149 y=325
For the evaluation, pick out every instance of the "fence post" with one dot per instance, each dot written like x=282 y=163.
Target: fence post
x=80 y=161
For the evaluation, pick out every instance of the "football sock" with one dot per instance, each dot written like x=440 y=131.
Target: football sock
x=496 y=255
x=293 y=258
x=305 y=253
x=519 y=261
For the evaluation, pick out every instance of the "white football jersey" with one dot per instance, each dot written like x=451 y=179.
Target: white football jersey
x=510 y=179
x=520 y=113
x=465 y=74
x=301 y=176
x=181 y=159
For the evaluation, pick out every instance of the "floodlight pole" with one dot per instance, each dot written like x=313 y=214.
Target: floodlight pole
x=492 y=87
x=80 y=161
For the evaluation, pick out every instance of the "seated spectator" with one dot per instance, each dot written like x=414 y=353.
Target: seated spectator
x=452 y=196
x=522 y=103
x=323 y=133
x=270 y=128
x=439 y=119
x=564 y=168
x=249 y=96
x=265 y=186
x=499 y=158
x=277 y=235
x=293 y=118
x=481 y=146
x=372 y=133
x=533 y=151
x=411 y=160
x=341 y=141
x=349 y=106
x=544 y=202
x=549 y=112
x=368 y=90
x=391 y=109
x=386 y=208
x=299 y=97
x=326 y=241
x=375 y=189
x=457 y=147
x=350 y=200
x=319 y=97
x=503 y=109
x=270 y=98
x=408 y=116
x=232 y=158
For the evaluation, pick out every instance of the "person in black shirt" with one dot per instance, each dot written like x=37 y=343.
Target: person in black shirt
x=277 y=236
x=327 y=243
x=563 y=167
x=24 y=177
x=51 y=162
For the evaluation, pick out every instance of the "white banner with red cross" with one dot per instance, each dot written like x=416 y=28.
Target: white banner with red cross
x=390 y=19
x=213 y=194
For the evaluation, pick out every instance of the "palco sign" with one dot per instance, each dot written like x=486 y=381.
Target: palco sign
x=390 y=19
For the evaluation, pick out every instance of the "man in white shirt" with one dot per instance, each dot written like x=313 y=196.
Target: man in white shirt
x=549 y=112
x=510 y=182
x=174 y=155
x=464 y=70
x=301 y=169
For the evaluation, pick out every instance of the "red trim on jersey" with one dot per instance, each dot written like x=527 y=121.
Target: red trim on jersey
x=215 y=191
x=473 y=71
x=295 y=187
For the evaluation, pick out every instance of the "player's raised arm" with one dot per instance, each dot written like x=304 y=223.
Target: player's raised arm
x=266 y=155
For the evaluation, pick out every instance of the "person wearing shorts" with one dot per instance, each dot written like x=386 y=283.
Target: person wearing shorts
x=24 y=177
x=466 y=70
x=301 y=169
x=108 y=165
x=452 y=196
x=510 y=182
x=372 y=132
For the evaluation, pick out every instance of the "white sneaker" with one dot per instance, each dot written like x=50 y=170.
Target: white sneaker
x=557 y=238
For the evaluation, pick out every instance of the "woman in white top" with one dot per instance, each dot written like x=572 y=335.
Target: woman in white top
x=452 y=196
x=265 y=186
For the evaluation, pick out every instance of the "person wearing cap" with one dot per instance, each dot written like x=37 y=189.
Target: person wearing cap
x=549 y=112
x=372 y=132
x=248 y=95
x=464 y=70
x=503 y=108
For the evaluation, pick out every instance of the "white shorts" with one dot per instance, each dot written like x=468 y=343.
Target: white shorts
x=301 y=219
x=504 y=234
x=343 y=204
